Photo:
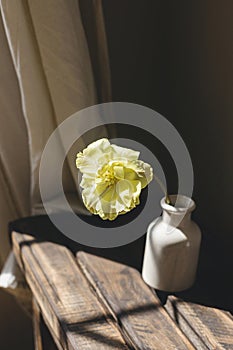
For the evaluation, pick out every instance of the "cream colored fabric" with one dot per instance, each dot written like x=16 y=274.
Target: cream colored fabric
x=14 y=155
x=46 y=76
x=65 y=59
x=53 y=67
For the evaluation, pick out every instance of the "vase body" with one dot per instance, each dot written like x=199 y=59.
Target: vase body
x=172 y=247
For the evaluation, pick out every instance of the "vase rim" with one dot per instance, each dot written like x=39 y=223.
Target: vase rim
x=183 y=204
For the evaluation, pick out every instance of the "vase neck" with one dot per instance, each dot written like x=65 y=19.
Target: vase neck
x=174 y=219
x=178 y=213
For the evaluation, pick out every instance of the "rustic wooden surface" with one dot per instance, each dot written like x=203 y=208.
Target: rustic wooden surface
x=72 y=313
x=144 y=321
x=207 y=327
x=94 y=303
x=38 y=342
x=42 y=337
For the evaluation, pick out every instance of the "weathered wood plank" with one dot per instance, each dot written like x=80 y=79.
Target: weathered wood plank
x=19 y=244
x=38 y=343
x=207 y=327
x=71 y=311
x=138 y=311
x=42 y=338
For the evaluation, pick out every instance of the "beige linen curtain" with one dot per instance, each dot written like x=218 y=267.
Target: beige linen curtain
x=47 y=74
x=14 y=154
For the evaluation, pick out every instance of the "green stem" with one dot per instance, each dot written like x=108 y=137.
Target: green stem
x=163 y=188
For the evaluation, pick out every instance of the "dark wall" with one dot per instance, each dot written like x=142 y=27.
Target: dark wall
x=177 y=58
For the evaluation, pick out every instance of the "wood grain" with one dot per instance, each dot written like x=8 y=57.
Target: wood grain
x=144 y=321
x=207 y=327
x=71 y=311
x=42 y=337
x=38 y=343
x=100 y=304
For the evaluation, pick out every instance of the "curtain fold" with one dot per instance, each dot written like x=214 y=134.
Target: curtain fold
x=94 y=26
x=53 y=66
x=37 y=106
x=14 y=154
x=47 y=75
x=65 y=61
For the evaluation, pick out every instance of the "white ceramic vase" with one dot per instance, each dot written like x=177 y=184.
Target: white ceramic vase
x=172 y=247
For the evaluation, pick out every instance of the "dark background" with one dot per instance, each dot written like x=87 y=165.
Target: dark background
x=176 y=57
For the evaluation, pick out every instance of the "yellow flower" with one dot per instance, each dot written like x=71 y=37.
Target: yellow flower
x=112 y=179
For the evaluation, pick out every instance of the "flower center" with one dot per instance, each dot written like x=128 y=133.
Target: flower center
x=107 y=174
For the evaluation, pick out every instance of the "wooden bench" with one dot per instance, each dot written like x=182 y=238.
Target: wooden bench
x=88 y=302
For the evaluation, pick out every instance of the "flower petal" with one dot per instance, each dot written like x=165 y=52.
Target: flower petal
x=94 y=156
x=124 y=153
x=119 y=172
x=124 y=192
x=112 y=179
